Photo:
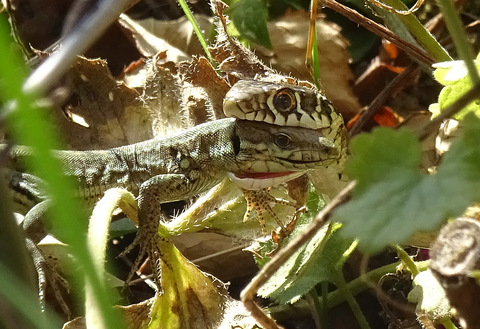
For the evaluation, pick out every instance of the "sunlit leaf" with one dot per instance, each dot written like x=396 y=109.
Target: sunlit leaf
x=191 y=298
x=454 y=76
x=250 y=19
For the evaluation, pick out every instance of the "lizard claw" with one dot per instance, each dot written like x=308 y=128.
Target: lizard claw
x=48 y=275
x=148 y=245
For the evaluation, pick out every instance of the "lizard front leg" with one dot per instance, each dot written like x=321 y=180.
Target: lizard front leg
x=153 y=192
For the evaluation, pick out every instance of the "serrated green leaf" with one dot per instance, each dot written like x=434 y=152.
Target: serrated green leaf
x=395 y=199
x=250 y=19
x=318 y=260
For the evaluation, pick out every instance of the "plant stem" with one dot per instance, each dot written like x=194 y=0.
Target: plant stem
x=359 y=284
x=357 y=311
x=355 y=287
x=451 y=110
x=457 y=32
x=407 y=260
x=448 y=324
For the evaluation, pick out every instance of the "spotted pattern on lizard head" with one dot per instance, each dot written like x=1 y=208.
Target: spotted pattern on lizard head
x=279 y=104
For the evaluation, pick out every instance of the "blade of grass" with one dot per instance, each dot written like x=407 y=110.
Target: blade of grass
x=19 y=296
x=457 y=32
x=311 y=59
x=28 y=126
x=196 y=29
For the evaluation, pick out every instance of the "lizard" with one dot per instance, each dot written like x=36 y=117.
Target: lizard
x=255 y=154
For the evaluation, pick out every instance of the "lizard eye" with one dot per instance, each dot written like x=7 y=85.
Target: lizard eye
x=284 y=100
x=282 y=140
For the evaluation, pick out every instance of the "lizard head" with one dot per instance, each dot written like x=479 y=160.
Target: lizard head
x=268 y=155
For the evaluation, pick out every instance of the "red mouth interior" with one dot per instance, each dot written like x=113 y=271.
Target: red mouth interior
x=262 y=175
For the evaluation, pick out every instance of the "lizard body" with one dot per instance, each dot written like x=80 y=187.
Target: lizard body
x=204 y=155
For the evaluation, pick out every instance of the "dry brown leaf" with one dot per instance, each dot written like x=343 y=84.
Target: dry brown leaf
x=173 y=102
x=109 y=112
x=136 y=314
x=200 y=73
x=77 y=323
x=298 y=189
x=149 y=44
x=178 y=33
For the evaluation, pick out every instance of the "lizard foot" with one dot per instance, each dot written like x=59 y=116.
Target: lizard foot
x=48 y=275
x=260 y=200
x=149 y=246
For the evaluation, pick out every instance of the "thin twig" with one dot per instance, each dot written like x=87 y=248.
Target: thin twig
x=383 y=32
x=381 y=98
x=283 y=255
x=87 y=32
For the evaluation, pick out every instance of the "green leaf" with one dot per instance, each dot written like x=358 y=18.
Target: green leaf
x=454 y=76
x=394 y=198
x=318 y=260
x=190 y=298
x=250 y=18
x=374 y=158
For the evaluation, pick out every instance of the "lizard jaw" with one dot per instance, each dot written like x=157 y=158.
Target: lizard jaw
x=257 y=181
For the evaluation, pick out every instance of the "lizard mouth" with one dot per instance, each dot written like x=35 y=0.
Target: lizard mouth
x=262 y=175
x=296 y=162
x=260 y=180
